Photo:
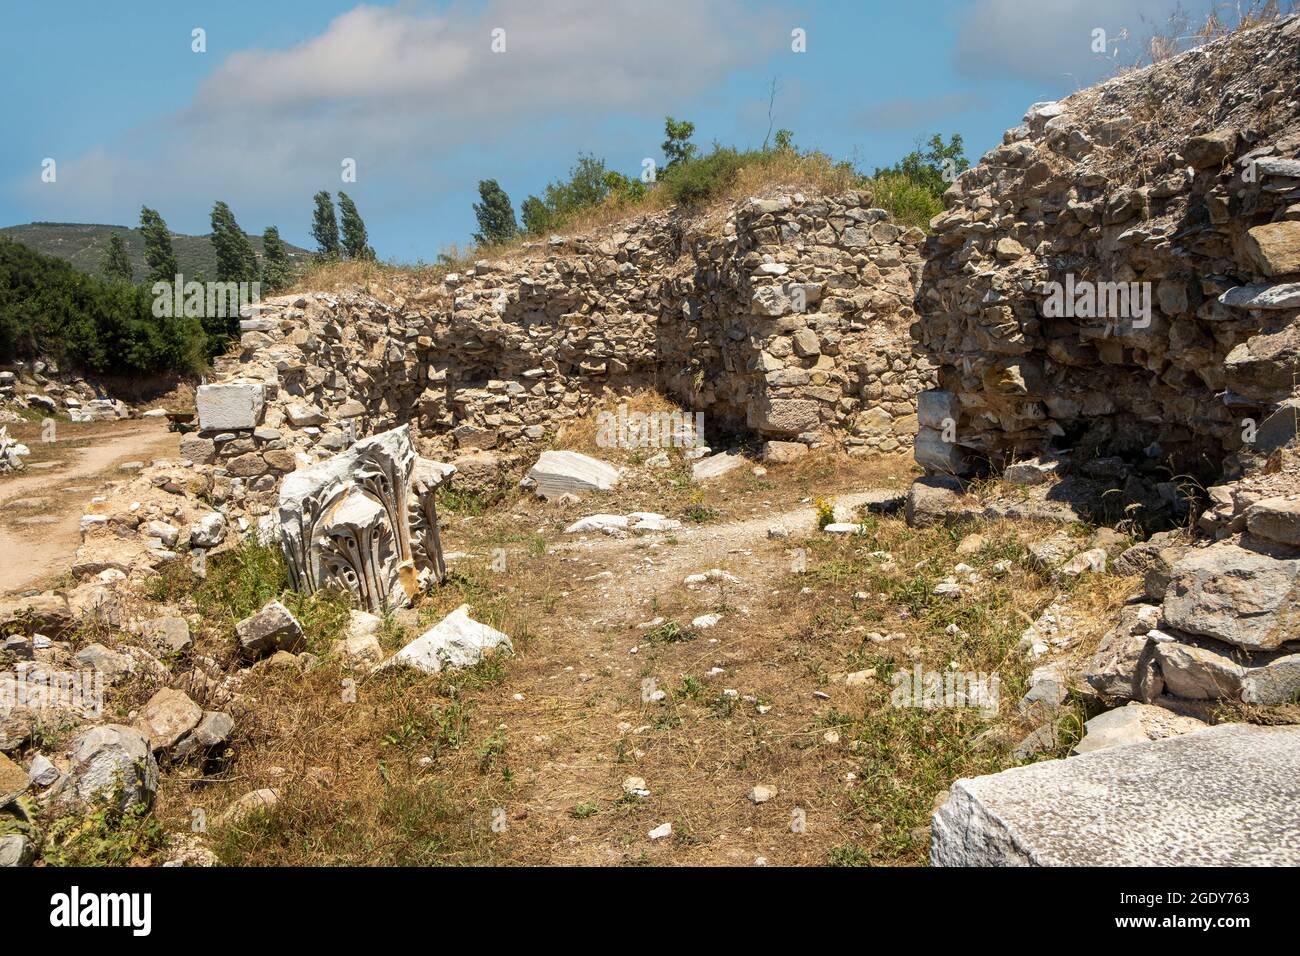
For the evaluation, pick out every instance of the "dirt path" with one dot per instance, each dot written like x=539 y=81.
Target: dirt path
x=41 y=507
x=576 y=704
x=641 y=572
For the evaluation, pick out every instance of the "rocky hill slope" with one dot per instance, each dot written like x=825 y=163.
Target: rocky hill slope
x=85 y=245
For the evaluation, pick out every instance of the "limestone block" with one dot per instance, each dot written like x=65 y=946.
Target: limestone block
x=230 y=406
x=1224 y=796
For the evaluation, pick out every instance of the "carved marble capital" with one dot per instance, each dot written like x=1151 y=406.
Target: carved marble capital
x=365 y=522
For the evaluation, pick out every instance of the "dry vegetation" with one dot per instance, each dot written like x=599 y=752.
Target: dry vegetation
x=522 y=759
x=414 y=770
x=783 y=172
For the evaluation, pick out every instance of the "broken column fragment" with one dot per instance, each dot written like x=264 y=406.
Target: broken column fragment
x=364 y=521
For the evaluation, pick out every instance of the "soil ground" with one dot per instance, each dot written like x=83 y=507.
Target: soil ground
x=41 y=505
x=524 y=760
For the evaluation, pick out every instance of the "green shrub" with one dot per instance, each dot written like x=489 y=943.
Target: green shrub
x=106 y=836
x=909 y=202
x=49 y=309
x=694 y=181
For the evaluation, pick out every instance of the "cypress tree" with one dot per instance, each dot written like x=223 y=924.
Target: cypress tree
x=324 y=229
x=537 y=217
x=354 y=230
x=276 y=272
x=117 y=261
x=159 y=258
x=496 y=216
x=235 y=259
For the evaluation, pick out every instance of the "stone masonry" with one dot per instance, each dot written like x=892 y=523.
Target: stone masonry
x=787 y=318
x=1179 y=184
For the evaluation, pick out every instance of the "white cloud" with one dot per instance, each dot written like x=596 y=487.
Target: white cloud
x=403 y=89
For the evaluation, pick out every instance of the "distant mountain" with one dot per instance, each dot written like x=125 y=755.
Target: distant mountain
x=85 y=245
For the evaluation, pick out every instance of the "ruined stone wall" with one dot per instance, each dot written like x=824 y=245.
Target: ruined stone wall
x=787 y=318
x=1182 y=179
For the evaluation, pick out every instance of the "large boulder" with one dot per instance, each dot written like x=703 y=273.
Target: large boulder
x=111 y=763
x=46 y=613
x=167 y=635
x=211 y=732
x=114 y=666
x=230 y=406
x=784 y=416
x=783 y=452
x=16 y=850
x=1134 y=724
x=934 y=452
x=13 y=780
x=1223 y=796
x=1277 y=519
x=208 y=531
x=933 y=500
x=1235 y=595
x=1123 y=668
x=1275 y=247
x=1199 y=672
x=167 y=717
x=273 y=628
x=715 y=466
x=1276 y=682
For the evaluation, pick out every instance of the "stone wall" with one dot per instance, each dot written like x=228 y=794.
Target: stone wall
x=1180 y=185
x=1182 y=178
x=787 y=318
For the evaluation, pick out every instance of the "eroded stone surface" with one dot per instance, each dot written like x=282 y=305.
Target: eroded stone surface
x=1235 y=595
x=230 y=406
x=365 y=520
x=1224 y=796
x=568 y=472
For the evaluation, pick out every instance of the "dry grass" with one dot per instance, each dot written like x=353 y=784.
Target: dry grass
x=1183 y=30
x=781 y=172
x=584 y=434
x=417 y=770
x=347 y=274
x=1168 y=108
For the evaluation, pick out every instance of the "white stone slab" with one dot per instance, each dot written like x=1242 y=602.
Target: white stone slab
x=230 y=406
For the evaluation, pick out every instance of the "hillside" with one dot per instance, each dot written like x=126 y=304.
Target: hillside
x=84 y=245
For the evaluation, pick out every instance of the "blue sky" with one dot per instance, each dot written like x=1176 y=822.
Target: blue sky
x=412 y=91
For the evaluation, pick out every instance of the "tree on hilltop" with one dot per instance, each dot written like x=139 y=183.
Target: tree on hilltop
x=117 y=261
x=236 y=261
x=159 y=257
x=678 y=147
x=354 y=242
x=495 y=214
x=276 y=271
x=324 y=228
